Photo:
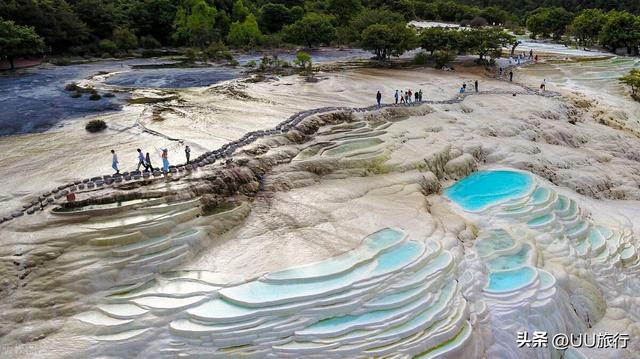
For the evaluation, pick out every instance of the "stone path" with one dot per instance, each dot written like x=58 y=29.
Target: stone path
x=227 y=150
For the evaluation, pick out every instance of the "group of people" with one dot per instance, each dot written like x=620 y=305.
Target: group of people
x=406 y=96
x=463 y=88
x=402 y=97
x=144 y=160
x=522 y=57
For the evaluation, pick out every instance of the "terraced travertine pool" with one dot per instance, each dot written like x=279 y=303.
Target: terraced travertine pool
x=390 y=294
x=486 y=188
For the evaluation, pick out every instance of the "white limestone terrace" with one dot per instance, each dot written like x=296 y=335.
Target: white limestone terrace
x=538 y=253
x=226 y=151
x=390 y=296
x=326 y=184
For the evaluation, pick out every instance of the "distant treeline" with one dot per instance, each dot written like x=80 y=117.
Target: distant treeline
x=111 y=27
x=521 y=7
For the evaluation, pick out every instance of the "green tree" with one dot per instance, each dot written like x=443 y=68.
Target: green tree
x=102 y=15
x=124 y=38
x=621 y=29
x=54 y=20
x=194 y=23
x=443 y=57
x=587 y=25
x=312 y=29
x=149 y=42
x=439 y=38
x=453 y=11
x=344 y=10
x=485 y=42
x=245 y=33
x=305 y=63
x=404 y=7
x=632 y=79
x=387 y=40
x=16 y=40
x=494 y=15
x=368 y=17
x=239 y=12
x=274 y=16
x=549 y=22
x=153 y=18
x=108 y=46
x=302 y=60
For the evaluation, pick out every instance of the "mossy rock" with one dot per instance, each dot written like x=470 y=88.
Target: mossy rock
x=76 y=95
x=71 y=87
x=95 y=126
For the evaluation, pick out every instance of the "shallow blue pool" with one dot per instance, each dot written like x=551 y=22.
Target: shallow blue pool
x=509 y=280
x=486 y=188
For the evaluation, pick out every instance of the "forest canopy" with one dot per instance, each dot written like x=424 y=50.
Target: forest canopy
x=110 y=27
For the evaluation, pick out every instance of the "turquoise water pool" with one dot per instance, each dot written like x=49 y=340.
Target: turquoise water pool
x=486 y=188
x=510 y=261
x=509 y=280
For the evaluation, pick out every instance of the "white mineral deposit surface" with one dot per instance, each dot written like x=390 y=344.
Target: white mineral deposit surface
x=333 y=236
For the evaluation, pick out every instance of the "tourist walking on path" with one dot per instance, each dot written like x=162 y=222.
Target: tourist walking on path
x=543 y=85
x=397 y=96
x=378 y=98
x=420 y=92
x=401 y=99
x=114 y=162
x=147 y=161
x=416 y=95
x=531 y=54
x=140 y=160
x=462 y=91
x=475 y=84
x=187 y=153
x=165 y=160
x=510 y=76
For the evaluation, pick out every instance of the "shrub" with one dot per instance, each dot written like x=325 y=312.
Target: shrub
x=218 y=51
x=108 y=46
x=252 y=63
x=443 y=57
x=632 y=79
x=478 y=21
x=95 y=126
x=190 y=54
x=78 y=50
x=421 y=58
x=303 y=60
x=149 y=42
x=95 y=97
x=377 y=166
x=124 y=38
x=246 y=33
x=63 y=61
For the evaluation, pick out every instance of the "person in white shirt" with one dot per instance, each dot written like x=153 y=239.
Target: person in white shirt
x=141 y=160
x=114 y=162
